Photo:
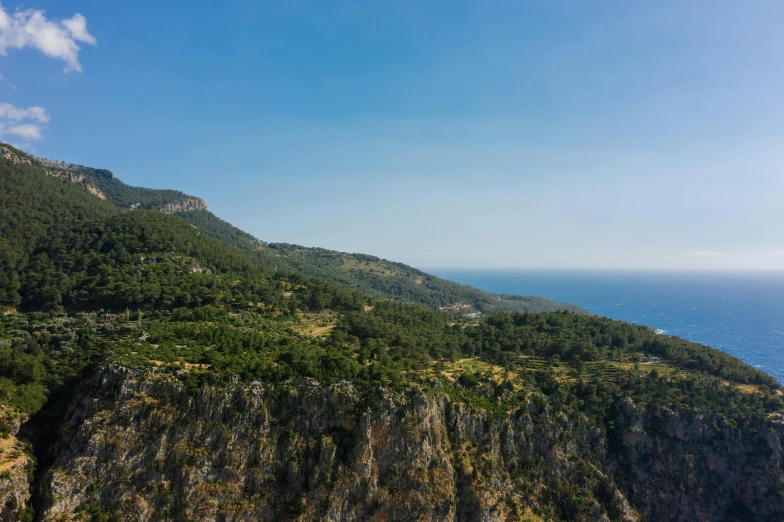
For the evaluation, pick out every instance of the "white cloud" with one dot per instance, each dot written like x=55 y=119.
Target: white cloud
x=28 y=131
x=22 y=123
x=780 y=252
x=57 y=39
x=710 y=253
x=10 y=112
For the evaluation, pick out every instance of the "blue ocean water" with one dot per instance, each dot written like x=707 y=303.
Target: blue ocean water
x=741 y=313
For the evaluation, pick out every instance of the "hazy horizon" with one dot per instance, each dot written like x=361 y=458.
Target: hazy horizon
x=608 y=269
x=609 y=135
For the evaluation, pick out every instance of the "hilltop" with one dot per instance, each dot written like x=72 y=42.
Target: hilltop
x=388 y=279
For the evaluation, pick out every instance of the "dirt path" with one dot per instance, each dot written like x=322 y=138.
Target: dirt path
x=465 y=360
x=324 y=329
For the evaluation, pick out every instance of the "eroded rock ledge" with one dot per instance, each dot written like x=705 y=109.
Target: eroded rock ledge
x=138 y=443
x=186 y=205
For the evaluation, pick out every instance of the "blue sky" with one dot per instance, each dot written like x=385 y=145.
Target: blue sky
x=483 y=134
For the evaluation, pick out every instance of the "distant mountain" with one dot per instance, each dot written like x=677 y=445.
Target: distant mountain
x=388 y=279
x=366 y=273
x=125 y=196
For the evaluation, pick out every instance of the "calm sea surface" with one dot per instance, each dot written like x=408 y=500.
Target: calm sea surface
x=740 y=313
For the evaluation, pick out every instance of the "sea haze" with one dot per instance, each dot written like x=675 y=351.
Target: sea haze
x=741 y=313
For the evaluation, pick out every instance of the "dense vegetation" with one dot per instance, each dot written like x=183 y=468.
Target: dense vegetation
x=34 y=206
x=127 y=196
x=583 y=362
x=214 y=227
x=151 y=261
x=84 y=283
x=68 y=252
x=39 y=353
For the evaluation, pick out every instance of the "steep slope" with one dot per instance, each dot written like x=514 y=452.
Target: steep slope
x=156 y=373
x=173 y=426
x=127 y=197
x=214 y=227
x=384 y=279
x=16 y=463
x=371 y=275
x=313 y=452
x=309 y=452
x=36 y=203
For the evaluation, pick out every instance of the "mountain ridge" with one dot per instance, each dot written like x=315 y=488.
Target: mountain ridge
x=408 y=284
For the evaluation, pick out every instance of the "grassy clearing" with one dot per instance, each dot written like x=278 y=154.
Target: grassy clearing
x=11 y=453
x=374 y=267
x=746 y=388
x=185 y=365
x=663 y=369
x=568 y=372
x=530 y=516
x=643 y=366
x=563 y=371
x=317 y=324
x=476 y=366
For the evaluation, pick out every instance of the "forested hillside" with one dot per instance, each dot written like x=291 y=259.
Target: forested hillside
x=35 y=206
x=369 y=274
x=150 y=372
x=384 y=279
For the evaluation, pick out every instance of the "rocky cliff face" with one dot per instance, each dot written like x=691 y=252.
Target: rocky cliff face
x=58 y=169
x=16 y=468
x=186 y=205
x=75 y=177
x=137 y=443
x=689 y=466
x=147 y=448
x=12 y=156
x=71 y=167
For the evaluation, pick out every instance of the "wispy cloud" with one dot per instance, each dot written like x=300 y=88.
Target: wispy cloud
x=709 y=253
x=9 y=84
x=27 y=131
x=26 y=123
x=56 y=39
x=780 y=252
